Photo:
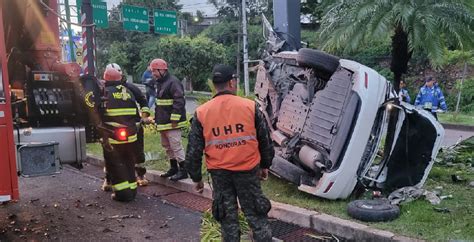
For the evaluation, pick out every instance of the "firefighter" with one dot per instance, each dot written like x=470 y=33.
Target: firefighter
x=140 y=144
x=121 y=149
x=170 y=117
x=238 y=152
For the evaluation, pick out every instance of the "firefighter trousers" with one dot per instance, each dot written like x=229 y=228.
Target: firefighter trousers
x=140 y=146
x=120 y=167
x=171 y=141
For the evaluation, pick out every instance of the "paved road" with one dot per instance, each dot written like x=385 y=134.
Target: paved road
x=70 y=207
x=191 y=105
x=451 y=136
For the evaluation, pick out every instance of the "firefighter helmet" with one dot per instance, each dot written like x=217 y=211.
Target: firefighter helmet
x=158 y=64
x=113 y=72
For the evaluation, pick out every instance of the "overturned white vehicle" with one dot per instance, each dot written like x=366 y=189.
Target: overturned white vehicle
x=330 y=116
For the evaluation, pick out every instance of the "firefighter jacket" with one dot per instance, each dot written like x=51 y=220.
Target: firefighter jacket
x=236 y=141
x=170 y=103
x=121 y=109
x=139 y=98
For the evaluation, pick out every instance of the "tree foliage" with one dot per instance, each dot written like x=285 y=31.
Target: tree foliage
x=422 y=25
x=190 y=58
x=115 y=44
x=227 y=34
x=230 y=10
x=315 y=9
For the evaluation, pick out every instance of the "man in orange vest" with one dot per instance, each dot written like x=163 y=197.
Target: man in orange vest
x=234 y=136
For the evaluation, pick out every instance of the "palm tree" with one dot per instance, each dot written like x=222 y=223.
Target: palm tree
x=413 y=25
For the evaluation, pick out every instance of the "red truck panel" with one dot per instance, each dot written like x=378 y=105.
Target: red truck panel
x=8 y=171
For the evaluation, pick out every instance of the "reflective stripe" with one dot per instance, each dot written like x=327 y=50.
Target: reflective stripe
x=225 y=141
x=164 y=102
x=120 y=111
x=131 y=139
x=116 y=125
x=175 y=117
x=161 y=127
x=125 y=185
x=145 y=110
x=121 y=186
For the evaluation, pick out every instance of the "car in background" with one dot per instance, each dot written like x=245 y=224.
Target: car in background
x=337 y=124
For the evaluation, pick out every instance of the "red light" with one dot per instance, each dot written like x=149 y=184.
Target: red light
x=366 y=80
x=122 y=134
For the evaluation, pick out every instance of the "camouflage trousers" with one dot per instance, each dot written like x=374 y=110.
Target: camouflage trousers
x=244 y=185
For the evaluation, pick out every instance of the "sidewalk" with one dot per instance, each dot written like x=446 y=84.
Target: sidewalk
x=320 y=222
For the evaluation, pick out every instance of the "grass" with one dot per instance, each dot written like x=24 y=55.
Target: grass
x=418 y=218
x=452 y=118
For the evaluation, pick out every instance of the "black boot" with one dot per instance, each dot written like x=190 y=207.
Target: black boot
x=182 y=174
x=173 y=169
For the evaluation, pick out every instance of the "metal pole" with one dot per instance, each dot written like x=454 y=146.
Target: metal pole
x=69 y=31
x=181 y=25
x=238 y=46
x=460 y=88
x=88 y=37
x=245 y=45
x=286 y=18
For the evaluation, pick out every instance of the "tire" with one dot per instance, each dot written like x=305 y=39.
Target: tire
x=325 y=64
x=378 y=210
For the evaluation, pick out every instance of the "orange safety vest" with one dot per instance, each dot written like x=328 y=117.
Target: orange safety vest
x=229 y=132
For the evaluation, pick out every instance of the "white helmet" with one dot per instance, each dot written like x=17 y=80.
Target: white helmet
x=114 y=66
x=113 y=72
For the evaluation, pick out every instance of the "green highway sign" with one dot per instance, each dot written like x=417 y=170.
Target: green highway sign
x=165 y=22
x=135 y=18
x=99 y=11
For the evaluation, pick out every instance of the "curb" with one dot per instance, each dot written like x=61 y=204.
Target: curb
x=287 y=213
x=458 y=127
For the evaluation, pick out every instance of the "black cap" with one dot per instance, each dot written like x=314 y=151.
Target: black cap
x=222 y=73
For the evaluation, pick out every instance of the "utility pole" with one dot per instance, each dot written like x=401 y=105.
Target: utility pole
x=183 y=24
x=237 y=54
x=88 y=37
x=69 y=31
x=460 y=87
x=245 y=45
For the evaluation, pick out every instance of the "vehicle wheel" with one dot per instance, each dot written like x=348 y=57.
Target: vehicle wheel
x=324 y=63
x=373 y=210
